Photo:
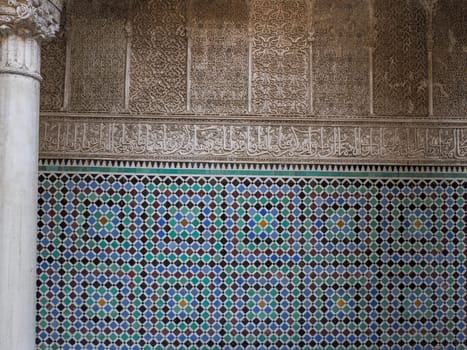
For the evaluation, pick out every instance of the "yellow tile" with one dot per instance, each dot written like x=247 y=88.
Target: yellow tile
x=340 y=223
x=263 y=223
x=183 y=303
x=418 y=303
x=262 y=304
x=184 y=222
x=102 y=302
x=341 y=303
x=104 y=220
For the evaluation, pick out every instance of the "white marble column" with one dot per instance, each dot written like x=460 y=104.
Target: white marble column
x=23 y=25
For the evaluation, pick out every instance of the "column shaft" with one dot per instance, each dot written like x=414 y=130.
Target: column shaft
x=23 y=25
x=19 y=117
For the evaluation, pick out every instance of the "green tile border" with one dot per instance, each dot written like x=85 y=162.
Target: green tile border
x=254 y=172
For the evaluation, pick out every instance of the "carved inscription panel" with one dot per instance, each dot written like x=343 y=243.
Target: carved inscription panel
x=280 y=55
x=219 y=75
x=340 y=57
x=400 y=63
x=53 y=58
x=235 y=140
x=450 y=58
x=158 y=56
x=98 y=55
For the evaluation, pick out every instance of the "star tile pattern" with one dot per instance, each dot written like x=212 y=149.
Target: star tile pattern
x=242 y=262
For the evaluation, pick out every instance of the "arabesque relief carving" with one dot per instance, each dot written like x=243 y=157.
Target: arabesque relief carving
x=340 y=57
x=261 y=81
x=280 y=56
x=219 y=52
x=98 y=55
x=400 y=59
x=249 y=140
x=158 y=56
x=449 y=58
x=53 y=57
x=261 y=57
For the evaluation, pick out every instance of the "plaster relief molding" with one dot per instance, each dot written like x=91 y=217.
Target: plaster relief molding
x=429 y=7
x=251 y=140
x=23 y=25
x=371 y=53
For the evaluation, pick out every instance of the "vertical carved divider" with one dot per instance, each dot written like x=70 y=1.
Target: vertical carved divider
x=128 y=37
x=429 y=6
x=310 y=38
x=68 y=29
x=371 y=50
x=189 y=41
x=250 y=57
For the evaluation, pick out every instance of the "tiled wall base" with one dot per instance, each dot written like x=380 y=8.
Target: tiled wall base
x=160 y=258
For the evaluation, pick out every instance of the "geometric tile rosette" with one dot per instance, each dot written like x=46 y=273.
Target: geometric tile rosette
x=250 y=262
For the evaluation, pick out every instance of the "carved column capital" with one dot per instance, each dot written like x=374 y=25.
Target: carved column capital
x=23 y=25
x=39 y=19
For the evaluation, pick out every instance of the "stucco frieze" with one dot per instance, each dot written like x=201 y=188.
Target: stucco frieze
x=254 y=140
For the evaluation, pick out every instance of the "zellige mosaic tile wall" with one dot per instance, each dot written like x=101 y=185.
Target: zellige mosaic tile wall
x=191 y=259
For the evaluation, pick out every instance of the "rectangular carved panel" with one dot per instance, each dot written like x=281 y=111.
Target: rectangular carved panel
x=219 y=75
x=53 y=57
x=450 y=58
x=158 y=57
x=340 y=57
x=280 y=56
x=400 y=65
x=98 y=55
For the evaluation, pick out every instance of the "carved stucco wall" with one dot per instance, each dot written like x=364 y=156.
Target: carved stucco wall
x=367 y=81
x=155 y=234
